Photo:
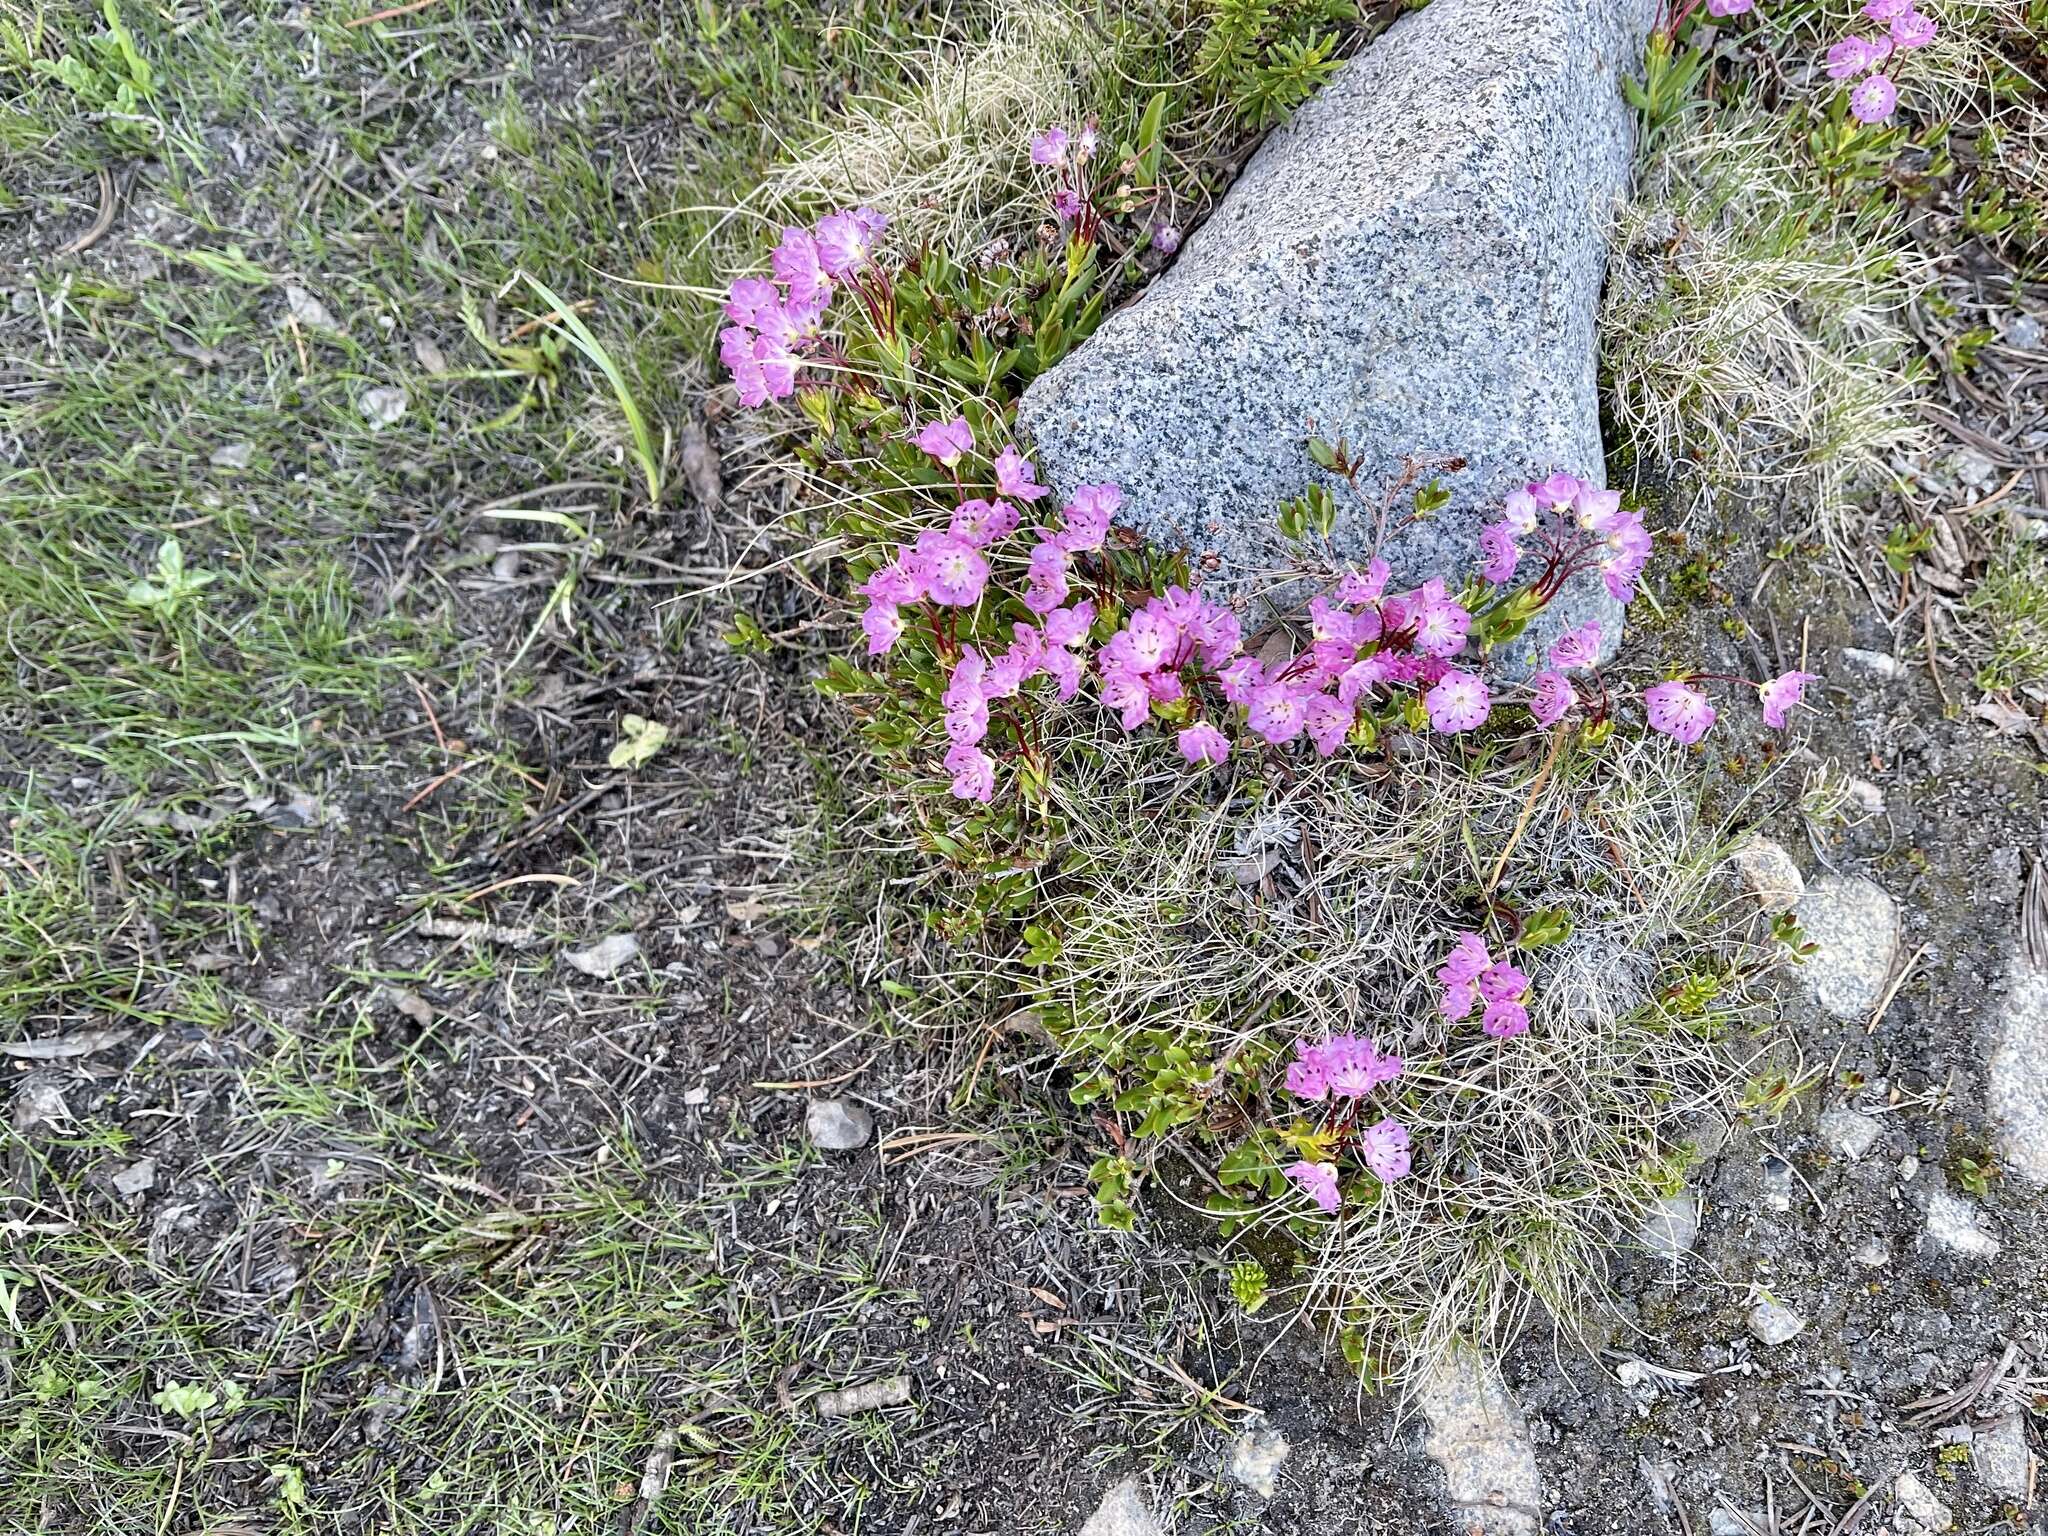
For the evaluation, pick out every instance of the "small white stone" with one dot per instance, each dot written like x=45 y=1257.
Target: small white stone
x=1953 y=1222
x=1478 y=1436
x=1909 y=1168
x=382 y=405
x=605 y=957
x=1919 y=1513
x=837 y=1126
x=2003 y=1460
x=1673 y=1227
x=1868 y=797
x=136 y=1177
x=1878 y=663
x=1122 y=1512
x=1873 y=1254
x=1775 y=1323
x=1769 y=873
x=1257 y=1456
x=1849 y=1131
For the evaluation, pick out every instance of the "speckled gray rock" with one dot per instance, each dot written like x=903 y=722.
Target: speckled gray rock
x=2017 y=1087
x=1479 y=1438
x=1122 y=1512
x=1848 y=1131
x=1257 y=1456
x=1919 y=1512
x=1955 y=1224
x=1414 y=262
x=1769 y=873
x=1856 y=926
x=2002 y=1458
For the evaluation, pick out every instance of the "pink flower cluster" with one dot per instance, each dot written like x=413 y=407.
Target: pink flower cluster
x=777 y=324
x=1875 y=96
x=1067 y=156
x=1347 y=1067
x=1472 y=978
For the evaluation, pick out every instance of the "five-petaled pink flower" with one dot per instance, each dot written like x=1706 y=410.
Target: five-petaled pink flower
x=1780 y=694
x=1874 y=100
x=1013 y=476
x=847 y=238
x=1551 y=697
x=1458 y=703
x=1327 y=721
x=1497 y=544
x=1505 y=1020
x=1202 y=743
x=1085 y=520
x=1577 y=650
x=1384 y=1150
x=1720 y=8
x=1679 y=710
x=981 y=523
x=974 y=773
x=1852 y=56
x=1886 y=10
x=947 y=441
x=1318 y=1181
x=882 y=623
x=797 y=265
x=1049 y=147
x=1278 y=713
x=955 y=570
x=1913 y=30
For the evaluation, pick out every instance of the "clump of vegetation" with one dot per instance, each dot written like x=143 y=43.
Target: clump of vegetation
x=2009 y=607
x=1264 y=58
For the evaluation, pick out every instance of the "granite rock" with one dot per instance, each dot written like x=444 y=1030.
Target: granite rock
x=2017 y=1087
x=1856 y=926
x=834 y=1125
x=1775 y=1323
x=1849 y=1132
x=1122 y=1512
x=1478 y=1436
x=1414 y=262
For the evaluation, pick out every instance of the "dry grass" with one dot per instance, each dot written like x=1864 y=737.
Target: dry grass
x=1745 y=335
x=1532 y=1158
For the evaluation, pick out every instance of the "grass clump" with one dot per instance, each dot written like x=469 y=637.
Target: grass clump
x=2008 y=607
x=1181 y=987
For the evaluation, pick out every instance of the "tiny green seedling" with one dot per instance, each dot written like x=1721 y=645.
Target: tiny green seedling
x=164 y=593
x=641 y=741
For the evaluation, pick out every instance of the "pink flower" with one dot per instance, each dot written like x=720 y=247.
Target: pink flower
x=778 y=366
x=947 y=441
x=1064 y=668
x=958 y=573
x=1085 y=519
x=1047 y=574
x=748 y=298
x=1328 y=620
x=1240 y=680
x=1874 y=100
x=1505 y=1020
x=1913 y=30
x=1009 y=671
x=1278 y=713
x=1069 y=626
x=1013 y=476
x=967 y=724
x=1551 y=698
x=974 y=773
x=1593 y=507
x=1127 y=695
x=1459 y=999
x=792 y=325
x=1851 y=56
x=981 y=523
x=1164 y=687
x=846 y=239
x=797 y=265
x=1361 y=677
x=1679 y=710
x=1084 y=141
x=1578 y=649
x=1467 y=959
x=1780 y=694
x=1518 y=511
x=1307 y=1077
x=1328 y=722
x=1145 y=644
x=882 y=623
x=1218 y=633
x=1202 y=743
x=1318 y=1181
x=1628 y=550
x=1357 y=587
x=1886 y=10
x=1355 y=1065
x=1497 y=544
x=1441 y=627
x=1458 y=703
x=964 y=684
x=1501 y=982
x=892 y=584
x=1049 y=147
x=1067 y=204
x=1165 y=238
x=1558 y=490
x=1728 y=7
x=1384 y=1150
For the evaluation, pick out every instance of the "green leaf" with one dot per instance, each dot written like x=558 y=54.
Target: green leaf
x=643 y=738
